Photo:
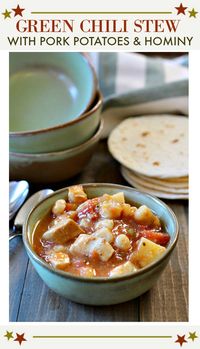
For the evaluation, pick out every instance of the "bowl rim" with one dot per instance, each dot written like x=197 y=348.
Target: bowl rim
x=128 y=276
x=85 y=112
x=81 y=146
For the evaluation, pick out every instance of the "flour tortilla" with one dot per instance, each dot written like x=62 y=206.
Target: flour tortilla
x=157 y=193
x=181 y=182
x=138 y=180
x=154 y=146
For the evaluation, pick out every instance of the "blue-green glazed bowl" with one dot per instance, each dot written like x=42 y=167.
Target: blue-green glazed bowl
x=49 y=93
x=102 y=291
x=55 y=166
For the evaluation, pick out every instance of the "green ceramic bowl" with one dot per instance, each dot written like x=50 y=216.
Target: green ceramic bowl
x=53 y=167
x=50 y=93
x=102 y=291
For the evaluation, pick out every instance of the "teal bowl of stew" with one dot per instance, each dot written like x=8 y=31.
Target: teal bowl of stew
x=102 y=290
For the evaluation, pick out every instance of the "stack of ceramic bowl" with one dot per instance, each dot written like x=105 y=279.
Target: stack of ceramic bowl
x=153 y=152
x=55 y=115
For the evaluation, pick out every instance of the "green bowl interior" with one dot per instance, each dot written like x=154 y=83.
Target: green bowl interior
x=48 y=89
x=131 y=195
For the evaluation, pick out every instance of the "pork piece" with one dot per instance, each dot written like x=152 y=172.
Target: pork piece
x=123 y=269
x=65 y=230
x=87 y=245
x=59 y=260
x=104 y=233
x=76 y=194
x=105 y=223
x=58 y=219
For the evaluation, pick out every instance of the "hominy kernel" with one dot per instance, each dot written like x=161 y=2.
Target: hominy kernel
x=59 y=207
x=122 y=242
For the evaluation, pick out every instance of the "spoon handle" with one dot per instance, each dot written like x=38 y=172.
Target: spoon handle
x=24 y=211
x=16 y=231
x=14 y=235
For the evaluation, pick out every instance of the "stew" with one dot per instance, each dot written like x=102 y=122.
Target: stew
x=99 y=237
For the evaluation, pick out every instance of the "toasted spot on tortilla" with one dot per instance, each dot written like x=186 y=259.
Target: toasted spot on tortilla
x=144 y=134
x=140 y=145
x=156 y=163
x=169 y=125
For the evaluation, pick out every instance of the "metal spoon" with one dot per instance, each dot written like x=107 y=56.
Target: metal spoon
x=25 y=209
x=18 y=192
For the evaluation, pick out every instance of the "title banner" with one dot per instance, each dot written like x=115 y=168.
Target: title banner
x=167 y=25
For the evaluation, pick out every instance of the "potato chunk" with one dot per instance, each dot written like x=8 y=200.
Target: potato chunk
x=86 y=245
x=128 y=211
x=143 y=215
x=76 y=194
x=119 y=197
x=110 y=209
x=104 y=233
x=84 y=223
x=65 y=230
x=123 y=269
x=87 y=272
x=146 y=253
x=59 y=248
x=59 y=260
x=105 y=223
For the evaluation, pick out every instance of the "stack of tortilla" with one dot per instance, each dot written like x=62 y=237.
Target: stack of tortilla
x=153 y=152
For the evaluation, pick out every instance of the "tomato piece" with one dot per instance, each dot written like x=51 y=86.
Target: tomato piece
x=95 y=256
x=89 y=208
x=70 y=207
x=159 y=238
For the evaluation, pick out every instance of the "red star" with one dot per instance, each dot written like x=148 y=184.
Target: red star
x=20 y=338
x=181 y=340
x=18 y=11
x=181 y=9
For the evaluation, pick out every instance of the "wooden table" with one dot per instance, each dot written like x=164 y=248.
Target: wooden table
x=31 y=300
